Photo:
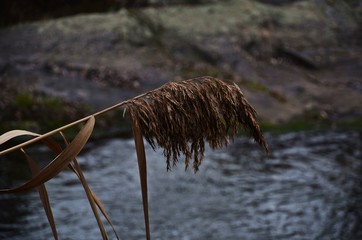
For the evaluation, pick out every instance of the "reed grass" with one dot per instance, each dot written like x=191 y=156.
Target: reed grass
x=180 y=117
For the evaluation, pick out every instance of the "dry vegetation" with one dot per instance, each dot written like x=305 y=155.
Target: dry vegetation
x=178 y=117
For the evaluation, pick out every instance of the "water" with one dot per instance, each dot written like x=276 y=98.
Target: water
x=309 y=188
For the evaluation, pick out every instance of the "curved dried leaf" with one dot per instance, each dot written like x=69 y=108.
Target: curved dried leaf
x=60 y=162
x=15 y=133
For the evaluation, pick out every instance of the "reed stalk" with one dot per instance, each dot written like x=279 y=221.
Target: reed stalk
x=180 y=117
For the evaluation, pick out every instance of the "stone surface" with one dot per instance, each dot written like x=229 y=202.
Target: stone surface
x=290 y=60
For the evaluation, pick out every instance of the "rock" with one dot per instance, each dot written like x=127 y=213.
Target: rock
x=102 y=59
x=278 y=2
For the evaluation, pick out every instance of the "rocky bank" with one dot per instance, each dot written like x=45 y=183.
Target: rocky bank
x=300 y=60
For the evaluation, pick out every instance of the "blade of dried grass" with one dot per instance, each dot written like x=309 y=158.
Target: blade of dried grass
x=60 y=162
x=142 y=167
x=99 y=204
x=57 y=149
x=51 y=144
x=15 y=133
x=102 y=209
x=92 y=198
x=43 y=195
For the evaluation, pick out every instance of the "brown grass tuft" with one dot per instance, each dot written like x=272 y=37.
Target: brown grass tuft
x=181 y=116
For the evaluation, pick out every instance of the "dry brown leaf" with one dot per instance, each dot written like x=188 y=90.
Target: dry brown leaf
x=142 y=167
x=90 y=195
x=43 y=195
x=98 y=202
x=60 y=162
x=15 y=133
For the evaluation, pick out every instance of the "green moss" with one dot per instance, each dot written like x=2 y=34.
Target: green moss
x=39 y=113
x=24 y=100
x=255 y=86
x=52 y=102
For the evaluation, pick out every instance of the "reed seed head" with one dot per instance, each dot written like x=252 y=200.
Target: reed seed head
x=181 y=116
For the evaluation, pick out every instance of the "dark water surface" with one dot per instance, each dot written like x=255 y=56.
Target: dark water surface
x=309 y=188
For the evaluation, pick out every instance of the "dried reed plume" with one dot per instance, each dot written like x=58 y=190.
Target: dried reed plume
x=178 y=116
x=181 y=116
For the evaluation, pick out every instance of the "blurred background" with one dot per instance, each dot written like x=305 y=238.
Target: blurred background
x=298 y=62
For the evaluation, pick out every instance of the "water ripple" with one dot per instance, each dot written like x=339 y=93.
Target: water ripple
x=309 y=188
